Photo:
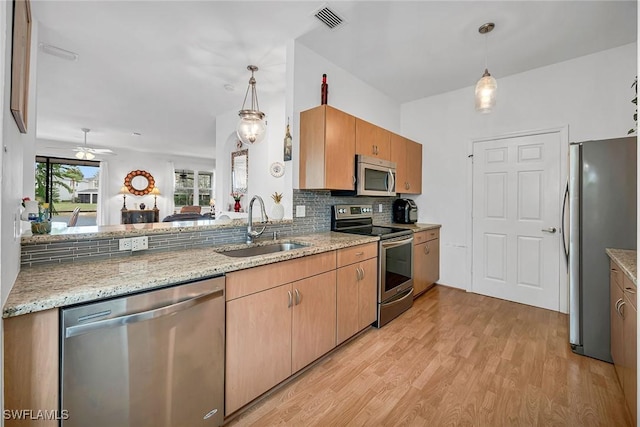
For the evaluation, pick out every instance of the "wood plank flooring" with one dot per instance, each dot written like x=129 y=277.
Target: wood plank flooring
x=455 y=358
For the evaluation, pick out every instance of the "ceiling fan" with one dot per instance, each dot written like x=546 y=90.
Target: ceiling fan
x=87 y=153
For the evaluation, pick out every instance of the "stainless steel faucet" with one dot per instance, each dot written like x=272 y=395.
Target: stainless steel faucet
x=251 y=234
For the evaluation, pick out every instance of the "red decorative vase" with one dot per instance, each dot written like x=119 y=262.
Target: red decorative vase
x=237 y=206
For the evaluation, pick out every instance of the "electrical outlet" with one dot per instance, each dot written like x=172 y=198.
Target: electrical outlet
x=380 y=207
x=139 y=243
x=124 y=244
x=301 y=211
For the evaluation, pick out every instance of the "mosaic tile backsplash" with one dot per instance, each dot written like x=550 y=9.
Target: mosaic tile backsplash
x=318 y=219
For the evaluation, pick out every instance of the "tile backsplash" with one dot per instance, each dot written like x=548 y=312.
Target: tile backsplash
x=317 y=219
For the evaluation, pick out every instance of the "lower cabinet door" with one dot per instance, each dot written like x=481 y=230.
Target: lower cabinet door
x=368 y=293
x=347 y=300
x=258 y=353
x=420 y=268
x=617 y=339
x=313 y=330
x=630 y=371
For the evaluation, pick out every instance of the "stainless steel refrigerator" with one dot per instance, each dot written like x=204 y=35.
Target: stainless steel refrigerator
x=602 y=214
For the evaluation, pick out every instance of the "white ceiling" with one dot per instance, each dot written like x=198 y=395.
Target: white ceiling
x=159 y=67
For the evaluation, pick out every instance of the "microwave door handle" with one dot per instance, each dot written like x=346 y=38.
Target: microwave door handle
x=391 y=181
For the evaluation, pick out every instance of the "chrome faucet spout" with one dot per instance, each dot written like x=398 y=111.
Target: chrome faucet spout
x=251 y=233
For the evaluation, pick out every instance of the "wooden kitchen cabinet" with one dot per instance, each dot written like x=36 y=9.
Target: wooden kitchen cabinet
x=426 y=260
x=258 y=345
x=617 y=338
x=372 y=140
x=357 y=290
x=629 y=328
x=327 y=149
x=624 y=314
x=314 y=319
x=280 y=318
x=31 y=365
x=407 y=155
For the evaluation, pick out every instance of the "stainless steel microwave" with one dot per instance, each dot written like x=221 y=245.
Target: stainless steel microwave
x=375 y=177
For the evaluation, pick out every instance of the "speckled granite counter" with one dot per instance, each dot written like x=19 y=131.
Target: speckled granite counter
x=417 y=227
x=627 y=260
x=130 y=230
x=49 y=286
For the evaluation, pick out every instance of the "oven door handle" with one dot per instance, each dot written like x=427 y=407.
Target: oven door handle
x=395 y=243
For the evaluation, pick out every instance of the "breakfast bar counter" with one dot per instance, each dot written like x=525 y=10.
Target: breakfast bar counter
x=43 y=287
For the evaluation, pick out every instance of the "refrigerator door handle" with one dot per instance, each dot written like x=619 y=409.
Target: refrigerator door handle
x=565 y=200
x=575 y=314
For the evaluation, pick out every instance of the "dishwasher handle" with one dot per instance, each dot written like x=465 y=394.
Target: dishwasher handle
x=76 y=330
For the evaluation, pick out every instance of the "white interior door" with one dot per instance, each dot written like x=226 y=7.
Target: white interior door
x=516 y=214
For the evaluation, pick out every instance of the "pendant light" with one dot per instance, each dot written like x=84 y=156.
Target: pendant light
x=251 y=128
x=487 y=86
x=84 y=153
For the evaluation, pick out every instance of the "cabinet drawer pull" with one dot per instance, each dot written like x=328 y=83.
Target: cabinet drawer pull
x=298 y=297
x=620 y=309
x=630 y=290
x=359 y=253
x=290 y=299
x=617 y=305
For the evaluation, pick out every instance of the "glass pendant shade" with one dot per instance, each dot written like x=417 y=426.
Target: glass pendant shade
x=251 y=128
x=486 y=89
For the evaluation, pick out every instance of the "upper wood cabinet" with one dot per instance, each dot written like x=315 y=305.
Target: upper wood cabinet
x=372 y=140
x=327 y=149
x=407 y=155
x=330 y=140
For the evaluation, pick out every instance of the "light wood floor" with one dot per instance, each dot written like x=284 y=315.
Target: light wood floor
x=455 y=358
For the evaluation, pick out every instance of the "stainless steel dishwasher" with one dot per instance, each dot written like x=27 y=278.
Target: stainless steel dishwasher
x=149 y=359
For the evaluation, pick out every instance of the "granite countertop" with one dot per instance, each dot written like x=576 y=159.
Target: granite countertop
x=416 y=227
x=50 y=286
x=627 y=260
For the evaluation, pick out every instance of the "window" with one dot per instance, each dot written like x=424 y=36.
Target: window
x=205 y=188
x=66 y=184
x=186 y=193
x=183 y=193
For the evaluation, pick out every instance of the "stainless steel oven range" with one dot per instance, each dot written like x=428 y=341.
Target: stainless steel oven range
x=395 y=258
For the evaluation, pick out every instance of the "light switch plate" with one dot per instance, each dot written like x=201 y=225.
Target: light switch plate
x=301 y=211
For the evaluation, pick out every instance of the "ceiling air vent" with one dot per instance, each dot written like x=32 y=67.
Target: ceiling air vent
x=329 y=17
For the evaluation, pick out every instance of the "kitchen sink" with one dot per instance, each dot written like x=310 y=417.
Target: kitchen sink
x=262 y=250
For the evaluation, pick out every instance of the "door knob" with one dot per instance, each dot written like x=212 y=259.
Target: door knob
x=550 y=230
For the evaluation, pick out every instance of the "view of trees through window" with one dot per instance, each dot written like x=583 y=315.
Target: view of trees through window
x=186 y=193
x=66 y=184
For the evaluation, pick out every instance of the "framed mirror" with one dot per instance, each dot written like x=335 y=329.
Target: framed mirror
x=139 y=182
x=240 y=171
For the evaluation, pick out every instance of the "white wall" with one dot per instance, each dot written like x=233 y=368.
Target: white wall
x=346 y=93
x=590 y=94
x=14 y=147
x=261 y=156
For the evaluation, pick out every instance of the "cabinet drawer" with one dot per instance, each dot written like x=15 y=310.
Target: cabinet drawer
x=424 y=236
x=358 y=253
x=256 y=279
x=630 y=291
x=615 y=274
